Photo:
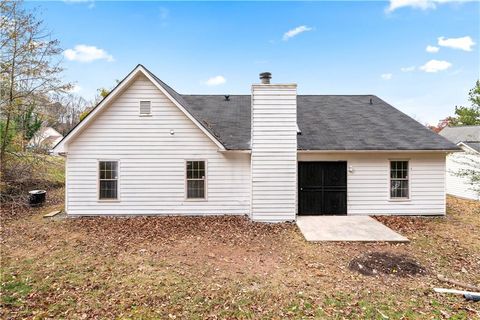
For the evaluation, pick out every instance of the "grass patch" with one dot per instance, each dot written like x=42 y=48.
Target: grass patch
x=227 y=267
x=14 y=291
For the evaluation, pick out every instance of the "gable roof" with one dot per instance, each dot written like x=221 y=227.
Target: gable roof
x=468 y=136
x=139 y=69
x=326 y=122
x=461 y=134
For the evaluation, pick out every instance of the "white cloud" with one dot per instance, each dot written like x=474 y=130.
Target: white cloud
x=464 y=43
x=295 y=32
x=408 y=69
x=419 y=4
x=386 y=76
x=216 y=81
x=84 y=53
x=432 y=49
x=435 y=66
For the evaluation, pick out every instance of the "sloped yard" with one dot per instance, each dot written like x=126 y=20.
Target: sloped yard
x=228 y=267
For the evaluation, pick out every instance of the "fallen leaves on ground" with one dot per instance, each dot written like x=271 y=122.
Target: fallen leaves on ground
x=226 y=267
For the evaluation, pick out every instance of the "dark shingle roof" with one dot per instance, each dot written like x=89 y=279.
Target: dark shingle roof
x=178 y=97
x=229 y=120
x=461 y=134
x=474 y=145
x=327 y=122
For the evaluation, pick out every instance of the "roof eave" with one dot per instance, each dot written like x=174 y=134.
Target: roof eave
x=61 y=146
x=379 y=151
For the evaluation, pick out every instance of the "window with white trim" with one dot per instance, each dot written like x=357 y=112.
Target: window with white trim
x=145 y=108
x=399 y=179
x=108 y=180
x=195 y=179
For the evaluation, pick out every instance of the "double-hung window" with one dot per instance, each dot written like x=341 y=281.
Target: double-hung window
x=399 y=179
x=108 y=180
x=196 y=179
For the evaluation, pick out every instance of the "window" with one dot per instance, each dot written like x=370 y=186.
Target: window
x=145 y=108
x=195 y=179
x=399 y=179
x=108 y=180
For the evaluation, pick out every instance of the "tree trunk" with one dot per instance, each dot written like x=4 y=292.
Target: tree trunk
x=10 y=100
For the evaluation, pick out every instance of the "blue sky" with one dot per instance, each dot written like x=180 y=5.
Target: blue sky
x=336 y=47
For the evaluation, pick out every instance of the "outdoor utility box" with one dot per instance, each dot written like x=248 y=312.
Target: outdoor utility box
x=37 y=197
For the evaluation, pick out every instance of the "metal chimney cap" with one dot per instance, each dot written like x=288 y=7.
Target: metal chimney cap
x=265 y=77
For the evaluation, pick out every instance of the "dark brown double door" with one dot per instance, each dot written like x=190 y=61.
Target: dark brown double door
x=322 y=188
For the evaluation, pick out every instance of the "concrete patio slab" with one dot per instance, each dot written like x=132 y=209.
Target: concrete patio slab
x=346 y=228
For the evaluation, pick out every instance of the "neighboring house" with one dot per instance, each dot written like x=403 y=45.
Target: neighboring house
x=467 y=138
x=146 y=149
x=45 y=139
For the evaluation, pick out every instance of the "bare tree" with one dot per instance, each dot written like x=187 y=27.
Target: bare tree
x=64 y=112
x=30 y=66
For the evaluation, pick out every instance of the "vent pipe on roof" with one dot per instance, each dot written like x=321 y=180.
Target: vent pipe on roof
x=265 y=77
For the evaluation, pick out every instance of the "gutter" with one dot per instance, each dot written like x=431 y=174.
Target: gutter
x=380 y=151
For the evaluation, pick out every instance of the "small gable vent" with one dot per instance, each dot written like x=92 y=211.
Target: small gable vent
x=145 y=108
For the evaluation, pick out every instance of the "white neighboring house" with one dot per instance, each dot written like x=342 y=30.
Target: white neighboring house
x=271 y=155
x=467 y=138
x=45 y=138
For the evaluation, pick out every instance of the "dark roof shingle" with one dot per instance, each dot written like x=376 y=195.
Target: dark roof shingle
x=461 y=134
x=474 y=145
x=327 y=122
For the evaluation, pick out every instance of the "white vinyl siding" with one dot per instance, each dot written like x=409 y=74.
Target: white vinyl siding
x=456 y=185
x=274 y=152
x=153 y=151
x=152 y=174
x=368 y=189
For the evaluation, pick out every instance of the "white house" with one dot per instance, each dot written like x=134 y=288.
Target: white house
x=467 y=138
x=45 y=138
x=272 y=155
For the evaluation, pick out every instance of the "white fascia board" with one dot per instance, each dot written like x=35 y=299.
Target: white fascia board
x=179 y=106
x=466 y=146
x=378 y=151
x=62 y=146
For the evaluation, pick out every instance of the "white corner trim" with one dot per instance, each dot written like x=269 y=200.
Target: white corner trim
x=62 y=145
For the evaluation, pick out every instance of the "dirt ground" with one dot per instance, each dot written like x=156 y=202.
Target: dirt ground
x=228 y=267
